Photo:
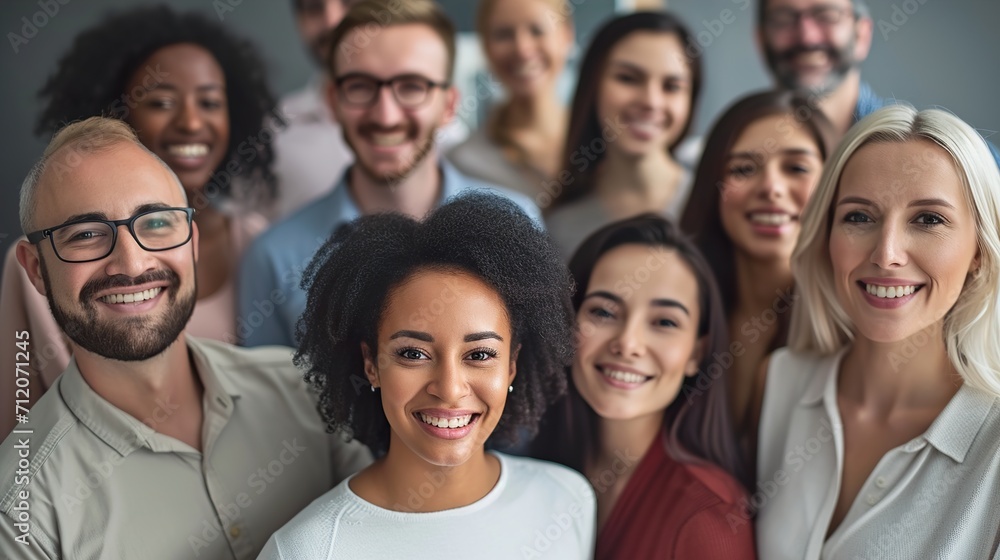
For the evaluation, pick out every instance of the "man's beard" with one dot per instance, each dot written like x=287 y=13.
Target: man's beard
x=781 y=66
x=128 y=339
x=424 y=147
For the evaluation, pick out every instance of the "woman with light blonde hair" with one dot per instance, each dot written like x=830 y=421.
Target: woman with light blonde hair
x=526 y=43
x=879 y=426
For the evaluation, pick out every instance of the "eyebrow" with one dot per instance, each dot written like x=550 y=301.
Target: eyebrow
x=921 y=202
x=660 y=302
x=102 y=216
x=426 y=337
x=787 y=152
x=171 y=87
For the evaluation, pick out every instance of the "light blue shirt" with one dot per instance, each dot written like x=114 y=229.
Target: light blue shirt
x=270 y=297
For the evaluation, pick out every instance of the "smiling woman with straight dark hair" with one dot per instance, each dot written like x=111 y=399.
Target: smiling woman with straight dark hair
x=427 y=340
x=637 y=90
x=646 y=418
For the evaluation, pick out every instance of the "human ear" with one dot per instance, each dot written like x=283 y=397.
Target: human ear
x=371 y=369
x=513 y=364
x=697 y=354
x=30 y=260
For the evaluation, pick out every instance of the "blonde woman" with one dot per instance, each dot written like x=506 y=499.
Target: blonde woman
x=520 y=146
x=880 y=423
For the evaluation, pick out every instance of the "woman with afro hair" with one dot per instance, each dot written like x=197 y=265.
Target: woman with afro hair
x=198 y=98
x=429 y=341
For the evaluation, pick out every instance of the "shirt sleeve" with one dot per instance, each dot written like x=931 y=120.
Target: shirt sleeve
x=718 y=532
x=258 y=319
x=23 y=309
x=27 y=548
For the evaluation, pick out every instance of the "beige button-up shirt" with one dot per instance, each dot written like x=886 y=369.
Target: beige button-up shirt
x=937 y=496
x=84 y=480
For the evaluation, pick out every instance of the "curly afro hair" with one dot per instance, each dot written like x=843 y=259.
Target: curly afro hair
x=90 y=80
x=351 y=276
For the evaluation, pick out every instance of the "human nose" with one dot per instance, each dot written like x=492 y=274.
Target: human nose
x=631 y=340
x=771 y=184
x=385 y=110
x=449 y=382
x=524 y=45
x=808 y=30
x=189 y=116
x=890 y=248
x=127 y=257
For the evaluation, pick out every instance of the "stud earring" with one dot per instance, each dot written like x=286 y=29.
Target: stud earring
x=510 y=389
x=373 y=388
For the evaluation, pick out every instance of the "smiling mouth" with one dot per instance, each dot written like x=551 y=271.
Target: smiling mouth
x=188 y=150
x=624 y=376
x=134 y=297
x=453 y=423
x=890 y=292
x=771 y=218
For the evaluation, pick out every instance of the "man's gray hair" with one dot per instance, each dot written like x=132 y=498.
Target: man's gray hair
x=92 y=135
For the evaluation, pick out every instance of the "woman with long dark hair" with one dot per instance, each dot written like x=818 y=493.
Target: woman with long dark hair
x=761 y=162
x=646 y=418
x=632 y=109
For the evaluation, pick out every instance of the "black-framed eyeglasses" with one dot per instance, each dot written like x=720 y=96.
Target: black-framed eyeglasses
x=87 y=240
x=786 y=18
x=410 y=90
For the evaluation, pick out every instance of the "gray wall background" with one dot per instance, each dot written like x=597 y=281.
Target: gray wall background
x=942 y=54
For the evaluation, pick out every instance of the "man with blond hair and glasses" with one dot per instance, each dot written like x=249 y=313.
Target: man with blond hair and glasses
x=151 y=444
x=390 y=64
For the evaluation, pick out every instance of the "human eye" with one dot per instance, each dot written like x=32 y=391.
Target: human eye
x=798 y=168
x=161 y=103
x=483 y=354
x=857 y=217
x=212 y=104
x=537 y=30
x=410 y=353
x=930 y=219
x=673 y=86
x=826 y=14
x=601 y=313
x=741 y=169
x=627 y=78
x=665 y=322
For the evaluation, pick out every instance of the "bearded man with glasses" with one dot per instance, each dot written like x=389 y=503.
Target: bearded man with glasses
x=390 y=64
x=151 y=444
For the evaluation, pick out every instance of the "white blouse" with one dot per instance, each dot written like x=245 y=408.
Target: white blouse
x=937 y=496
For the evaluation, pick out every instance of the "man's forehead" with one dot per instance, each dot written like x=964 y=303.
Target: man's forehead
x=805 y=4
x=111 y=181
x=411 y=48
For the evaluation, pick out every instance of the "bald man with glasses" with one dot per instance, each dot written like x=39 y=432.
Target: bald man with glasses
x=151 y=444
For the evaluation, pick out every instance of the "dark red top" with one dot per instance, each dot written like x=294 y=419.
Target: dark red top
x=674 y=510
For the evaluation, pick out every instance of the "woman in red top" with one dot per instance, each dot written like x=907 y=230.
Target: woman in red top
x=646 y=418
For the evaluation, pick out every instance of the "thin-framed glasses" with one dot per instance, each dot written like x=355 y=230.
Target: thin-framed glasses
x=89 y=240
x=786 y=18
x=410 y=90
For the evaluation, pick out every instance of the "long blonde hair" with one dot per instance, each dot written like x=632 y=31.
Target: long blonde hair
x=972 y=327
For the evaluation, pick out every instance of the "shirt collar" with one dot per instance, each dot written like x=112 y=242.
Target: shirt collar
x=341 y=207
x=954 y=430
x=823 y=380
x=123 y=432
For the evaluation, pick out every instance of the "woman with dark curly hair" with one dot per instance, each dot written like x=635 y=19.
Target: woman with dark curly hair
x=426 y=341
x=198 y=98
x=646 y=417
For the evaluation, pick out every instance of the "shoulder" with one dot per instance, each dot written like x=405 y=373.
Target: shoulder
x=471 y=148
x=301 y=233
x=548 y=481
x=464 y=184
x=271 y=365
x=311 y=533
x=722 y=488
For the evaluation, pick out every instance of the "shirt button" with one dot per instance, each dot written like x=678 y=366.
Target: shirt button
x=880 y=482
x=234 y=531
x=872 y=499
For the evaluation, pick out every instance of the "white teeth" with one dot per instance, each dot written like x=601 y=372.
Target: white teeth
x=135 y=297
x=770 y=219
x=188 y=150
x=528 y=70
x=645 y=127
x=454 y=422
x=889 y=292
x=389 y=140
x=625 y=376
